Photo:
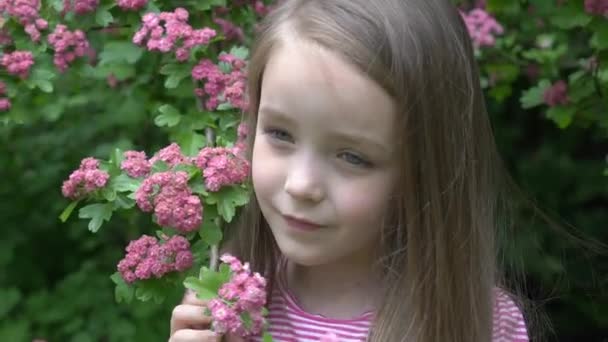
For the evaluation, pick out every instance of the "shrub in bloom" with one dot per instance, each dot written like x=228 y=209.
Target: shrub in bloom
x=135 y=164
x=18 y=63
x=147 y=258
x=556 y=94
x=5 y=103
x=168 y=195
x=244 y=293
x=164 y=31
x=85 y=180
x=221 y=166
x=230 y=30
x=68 y=46
x=482 y=27
x=133 y=5
x=597 y=7
x=240 y=146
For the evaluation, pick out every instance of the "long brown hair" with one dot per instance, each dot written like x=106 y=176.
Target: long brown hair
x=439 y=252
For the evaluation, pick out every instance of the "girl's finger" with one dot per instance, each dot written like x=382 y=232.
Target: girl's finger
x=190 y=298
x=186 y=316
x=190 y=335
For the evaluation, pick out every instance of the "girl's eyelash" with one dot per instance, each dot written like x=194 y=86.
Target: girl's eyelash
x=278 y=134
x=355 y=160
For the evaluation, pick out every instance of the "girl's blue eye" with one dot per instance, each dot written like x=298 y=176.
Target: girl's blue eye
x=354 y=159
x=278 y=134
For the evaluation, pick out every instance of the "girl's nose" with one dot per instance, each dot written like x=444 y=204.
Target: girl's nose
x=303 y=182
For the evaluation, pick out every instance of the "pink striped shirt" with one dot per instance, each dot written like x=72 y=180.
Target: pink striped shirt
x=290 y=323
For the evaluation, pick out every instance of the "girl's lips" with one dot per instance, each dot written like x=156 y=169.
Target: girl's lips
x=301 y=224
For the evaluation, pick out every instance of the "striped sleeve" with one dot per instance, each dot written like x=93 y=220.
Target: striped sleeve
x=509 y=324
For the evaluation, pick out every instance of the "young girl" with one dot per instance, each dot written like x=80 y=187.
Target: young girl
x=376 y=179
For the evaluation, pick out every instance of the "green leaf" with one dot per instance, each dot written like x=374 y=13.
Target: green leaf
x=176 y=72
x=103 y=17
x=108 y=194
x=10 y=298
x=568 y=17
x=599 y=39
x=197 y=185
x=209 y=282
x=98 y=213
x=169 y=117
x=159 y=166
x=228 y=198
x=151 y=289
x=191 y=170
x=246 y=319
x=117 y=157
x=240 y=52
x=561 y=115
x=122 y=292
x=120 y=51
x=190 y=142
x=41 y=78
x=534 y=96
x=124 y=183
x=123 y=202
x=267 y=337
x=65 y=214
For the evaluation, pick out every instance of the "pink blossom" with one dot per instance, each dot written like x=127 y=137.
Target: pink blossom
x=221 y=167
x=85 y=180
x=80 y=7
x=168 y=31
x=172 y=155
x=229 y=87
x=244 y=293
x=18 y=63
x=556 y=94
x=5 y=104
x=132 y=5
x=68 y=46
x=135 y=164
x=597 y=7
x=230 y=30
x=26 y=12
x=147 y=257
x=482 y=27
x=171 y=199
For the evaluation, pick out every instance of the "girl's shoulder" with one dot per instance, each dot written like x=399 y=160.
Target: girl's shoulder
x=509 y=324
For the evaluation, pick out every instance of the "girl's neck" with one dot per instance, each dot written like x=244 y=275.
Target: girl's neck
x=342 y=289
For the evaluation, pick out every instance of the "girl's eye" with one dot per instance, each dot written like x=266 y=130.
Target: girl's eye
x=354 y=159
x=278 y=134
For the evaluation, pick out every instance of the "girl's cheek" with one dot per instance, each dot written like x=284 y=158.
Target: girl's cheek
x=267 y=167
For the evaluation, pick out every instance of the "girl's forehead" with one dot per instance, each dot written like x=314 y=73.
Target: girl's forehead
x=308 y=81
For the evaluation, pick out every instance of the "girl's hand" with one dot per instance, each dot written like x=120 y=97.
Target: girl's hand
x=189 y=322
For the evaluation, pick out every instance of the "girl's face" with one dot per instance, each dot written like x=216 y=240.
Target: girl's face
x=323 y=153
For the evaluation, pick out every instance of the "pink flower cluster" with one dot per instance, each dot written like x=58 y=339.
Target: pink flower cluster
x=556 y=94
x=68 y=46
x=85 y=180
x=27 y=14
x=240 y=146
x=221 y=166
x=245 y=293
x=80 y=6
x=132 y=5
x=172 y=155
x=5 y=103
x=135 y=164
x=162 y=32
x=146 y=258
x=230 y=30
x=18 y=63
x=597 y=7
x=482 y=27
x=169 y=196
x=220 y=87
